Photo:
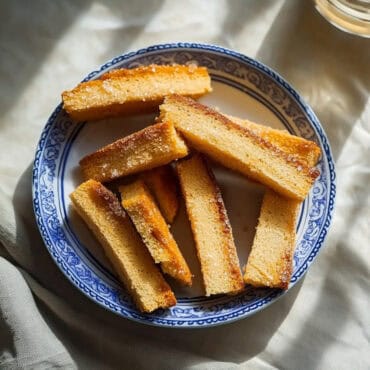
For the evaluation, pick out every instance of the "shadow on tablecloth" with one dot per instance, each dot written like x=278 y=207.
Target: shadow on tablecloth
x=332 y=84
x=330 y=68
x=239 y=14
x=75 y=319
x=37 y=26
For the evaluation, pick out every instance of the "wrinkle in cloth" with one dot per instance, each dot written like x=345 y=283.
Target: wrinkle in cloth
x=45 y=322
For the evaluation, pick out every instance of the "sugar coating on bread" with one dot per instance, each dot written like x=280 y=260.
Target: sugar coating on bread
x=303 y=150
x=151 y=147
x=152 y=227
x=238 y=147
x=138 y=90
x=210 y=226
x=105 y=217
x=162 y=183
x=270 y=260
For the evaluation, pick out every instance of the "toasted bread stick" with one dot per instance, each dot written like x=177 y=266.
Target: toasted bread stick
x=211 y=227
x=303 y=150
x=152 y=227
x=270 y=260
x=238 y=147
x=151 y=147
x=105 y=217
x=138 y=90
x=162 y=183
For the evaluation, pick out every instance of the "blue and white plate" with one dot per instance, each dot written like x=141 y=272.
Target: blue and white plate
x=242 y=87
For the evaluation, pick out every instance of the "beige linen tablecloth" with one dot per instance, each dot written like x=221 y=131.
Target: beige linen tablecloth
x=47 y=47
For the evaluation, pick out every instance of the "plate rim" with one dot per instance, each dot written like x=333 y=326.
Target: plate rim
x=313 y=120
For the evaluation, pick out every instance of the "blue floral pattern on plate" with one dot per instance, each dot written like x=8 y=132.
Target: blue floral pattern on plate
x=235 y=70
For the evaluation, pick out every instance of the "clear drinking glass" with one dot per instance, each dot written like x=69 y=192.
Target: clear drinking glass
x=348 y=15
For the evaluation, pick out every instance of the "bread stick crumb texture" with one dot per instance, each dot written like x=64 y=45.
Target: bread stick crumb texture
x=103 y=214
x=270 y=260
x=138 y=90
x=238 y=147
x=211 y=227
x=154 y=146
x=162 y=183
x=154 y=231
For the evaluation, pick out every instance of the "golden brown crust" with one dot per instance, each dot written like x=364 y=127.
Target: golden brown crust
x=126 y=142
x=162 y=183
x=113 y=110
x=304 y=150
x=154 y=231
x=138 y=90
x=313 y=173
x=211 y=228
x=153 y=69
x=238 y=148
x=225 y=226
x=109 y=198
x=153 y=146
x=270 y=262
x=101 y=211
